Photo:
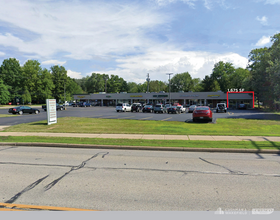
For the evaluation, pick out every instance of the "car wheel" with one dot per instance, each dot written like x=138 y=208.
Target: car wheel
x=36 y=112
x=45 y=110
x=20 y=112
x=117 y=110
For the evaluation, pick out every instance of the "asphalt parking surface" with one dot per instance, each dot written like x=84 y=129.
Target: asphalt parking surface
x=110 y=113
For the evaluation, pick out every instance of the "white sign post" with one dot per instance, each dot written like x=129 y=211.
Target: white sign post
x=51 y=111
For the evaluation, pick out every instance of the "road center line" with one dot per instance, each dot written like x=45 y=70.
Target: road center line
x=166 y=119
x=145 y=118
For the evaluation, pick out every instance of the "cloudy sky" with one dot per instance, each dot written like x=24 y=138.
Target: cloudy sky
x=131 y=38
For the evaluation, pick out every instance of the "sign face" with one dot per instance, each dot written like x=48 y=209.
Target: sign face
x=160 y=95
x=51 y=111
x=214 y=96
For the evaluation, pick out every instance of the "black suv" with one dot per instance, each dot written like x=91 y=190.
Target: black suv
x=136 y=107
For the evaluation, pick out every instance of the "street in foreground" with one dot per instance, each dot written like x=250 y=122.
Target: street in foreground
x=138 y=180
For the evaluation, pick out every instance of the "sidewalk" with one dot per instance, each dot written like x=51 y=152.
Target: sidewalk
x=146 y=136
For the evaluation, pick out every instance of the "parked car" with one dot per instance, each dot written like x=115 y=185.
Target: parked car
x=87 y=104
x=173 y=109
x=202 y=113
x=168 y=106
x=160 y=108
x=82 y=104
x=58 y=107
x=23 y=109
x=136 y=107
x=242 y=106
x=181 y=108
x=76 y=104
x=221 y=107
x=148 y=108
x=123 y=107
x=191 y=108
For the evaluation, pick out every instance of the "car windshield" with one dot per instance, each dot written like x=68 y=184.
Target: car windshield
x=119 y=104
x=148 y=106
x=202 y=108
x=192 y=106
x=158 y=105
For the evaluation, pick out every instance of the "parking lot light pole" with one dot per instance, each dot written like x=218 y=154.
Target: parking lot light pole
x=64 y=92
x=169 y=87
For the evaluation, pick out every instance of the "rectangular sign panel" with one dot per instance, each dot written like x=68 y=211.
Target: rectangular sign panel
x=51 y=111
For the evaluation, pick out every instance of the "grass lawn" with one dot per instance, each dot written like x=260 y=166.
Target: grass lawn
x=11 y=115
x=237 y=127
x=152 y=143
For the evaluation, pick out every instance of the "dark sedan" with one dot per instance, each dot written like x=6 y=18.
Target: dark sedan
x=23 y=109
x=173 y=109
x=242 y=106
x=148 y=108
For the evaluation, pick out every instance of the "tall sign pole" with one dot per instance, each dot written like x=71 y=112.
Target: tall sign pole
x=169 y=87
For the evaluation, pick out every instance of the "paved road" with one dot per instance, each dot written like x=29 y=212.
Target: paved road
x=138 y=180
x=109 y=112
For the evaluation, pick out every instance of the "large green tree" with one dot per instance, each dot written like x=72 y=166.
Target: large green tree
x=10 y=73
x=274 y=66
x=181 y=82
x=31 y=71
x=60 y=81
x=260 y=80
x=209 y=84
x=4 y=93
x=222 y=73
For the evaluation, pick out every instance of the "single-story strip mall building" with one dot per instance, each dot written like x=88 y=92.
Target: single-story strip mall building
x=184 y=98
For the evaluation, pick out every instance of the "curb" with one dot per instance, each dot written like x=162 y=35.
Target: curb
x=120 y=147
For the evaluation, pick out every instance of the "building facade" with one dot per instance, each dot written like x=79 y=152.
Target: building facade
x=184 y=98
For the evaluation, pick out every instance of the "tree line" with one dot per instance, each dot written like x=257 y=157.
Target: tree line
x=32 y=83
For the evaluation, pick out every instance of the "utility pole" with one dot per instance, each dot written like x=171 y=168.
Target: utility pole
x=169 y=87
x=148 y=81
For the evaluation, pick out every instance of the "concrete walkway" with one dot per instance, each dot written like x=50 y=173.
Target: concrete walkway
x=146 y=136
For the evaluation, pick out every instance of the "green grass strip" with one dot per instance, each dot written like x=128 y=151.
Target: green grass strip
x=225 y=127
x=152 y=143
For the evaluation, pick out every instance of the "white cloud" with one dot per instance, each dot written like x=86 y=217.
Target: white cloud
x=262 y=20
x=166 y=2
x=272 y=2
x=263 y=41
x=54 y=62
x=75 y=75
x=82 y=31
x=2 y=54
x=198 y=64
x=208 y=4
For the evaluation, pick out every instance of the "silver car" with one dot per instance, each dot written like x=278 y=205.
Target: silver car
x=191 y=108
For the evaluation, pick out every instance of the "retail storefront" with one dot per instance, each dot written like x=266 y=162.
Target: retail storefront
x=186 y=98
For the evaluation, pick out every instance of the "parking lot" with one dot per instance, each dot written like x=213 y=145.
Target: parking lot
x=110 y=113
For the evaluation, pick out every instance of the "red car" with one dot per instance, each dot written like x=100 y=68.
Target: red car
x=202 y=113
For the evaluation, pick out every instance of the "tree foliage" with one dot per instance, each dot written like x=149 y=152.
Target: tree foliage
x=4 y=93
x=10 y=73
x=265 y=69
